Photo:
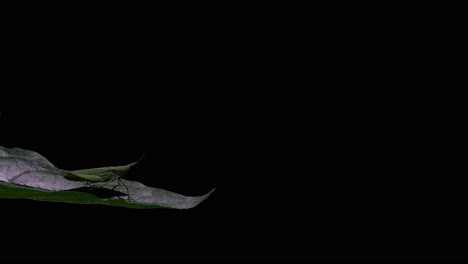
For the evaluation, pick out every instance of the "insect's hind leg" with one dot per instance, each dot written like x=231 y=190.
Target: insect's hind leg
x=119 y=182
x=126 y=188
x=106 y=184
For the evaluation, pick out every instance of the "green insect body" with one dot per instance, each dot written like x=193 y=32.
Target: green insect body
x=105 y=175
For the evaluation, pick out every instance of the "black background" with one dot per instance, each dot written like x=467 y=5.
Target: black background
x=326 y=141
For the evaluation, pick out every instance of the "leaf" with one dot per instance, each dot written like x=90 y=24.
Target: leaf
x=27 y=174
x=12 y=191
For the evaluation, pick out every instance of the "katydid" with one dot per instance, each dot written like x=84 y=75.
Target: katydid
x=105 y=175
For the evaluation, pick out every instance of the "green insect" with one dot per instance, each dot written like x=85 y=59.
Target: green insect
x=105 y=175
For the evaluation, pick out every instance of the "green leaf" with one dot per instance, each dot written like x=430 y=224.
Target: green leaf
x=12 y=191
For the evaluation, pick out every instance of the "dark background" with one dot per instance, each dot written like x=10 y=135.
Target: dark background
x=324 y=138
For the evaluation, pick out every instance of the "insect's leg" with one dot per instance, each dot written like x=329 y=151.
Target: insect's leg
x=119 y=182
x=126 y=188
x=106 y=184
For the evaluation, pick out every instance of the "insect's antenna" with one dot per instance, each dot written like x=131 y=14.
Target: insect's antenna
x=142 y=157
x=137 y=162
